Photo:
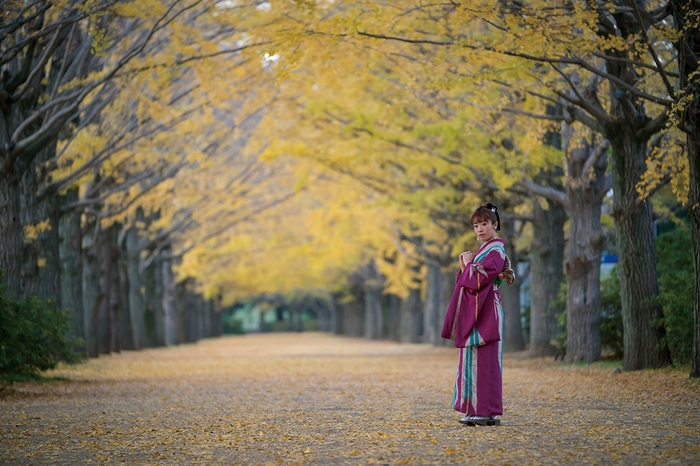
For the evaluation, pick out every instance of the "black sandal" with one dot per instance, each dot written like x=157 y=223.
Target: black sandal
x=483 y=421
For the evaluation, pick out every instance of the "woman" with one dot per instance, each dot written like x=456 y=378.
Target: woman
x=474 y=320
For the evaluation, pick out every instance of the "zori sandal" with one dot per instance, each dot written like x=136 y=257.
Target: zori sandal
x=466 y=419
x=483 y=421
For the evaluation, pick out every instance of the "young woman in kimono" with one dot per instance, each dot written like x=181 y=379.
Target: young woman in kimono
x=474 y=320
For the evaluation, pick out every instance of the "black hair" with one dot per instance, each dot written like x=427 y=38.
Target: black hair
x=487 y=211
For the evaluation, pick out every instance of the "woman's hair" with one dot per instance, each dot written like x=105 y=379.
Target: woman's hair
x=487 y=212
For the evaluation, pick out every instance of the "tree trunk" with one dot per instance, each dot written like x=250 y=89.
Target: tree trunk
x=156 y=301
x=115 y=293
x=41 y=268
x=323 y=315
x=336 y=314
x=583 y=253
x=688 y=47
x=353 y=313
x=513 y=339
x=104 y=323
x=694 y=213
x=189 y=310
x=136 y=299
x=296 y=310
x=150 y=310
x=373 y=312
x=412 y=317
x=169 y=302
x=126 y=336
x=203 y=317
x=91 y=290
x=641 y=313
x=433 y=300
x=208 y=314
x=216 y=316
x=11 y=235
x=393 y=331
x=181 y=312
x=70 y=244
x=447 y=286
x=546 y=276
x=373 y=284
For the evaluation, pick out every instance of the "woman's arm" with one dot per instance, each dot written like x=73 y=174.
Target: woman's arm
x=477 y=275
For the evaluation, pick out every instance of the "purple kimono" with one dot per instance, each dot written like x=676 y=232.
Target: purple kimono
x=474 y=320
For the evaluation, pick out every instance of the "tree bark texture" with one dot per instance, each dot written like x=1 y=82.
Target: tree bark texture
x=373 y=283
x=156 y=301
x=513 y=339
x=353 y=313
x=546 y=276
x=70 y=244
x=41 y=268
x=694 y=213
x=104 y=314
x=393 y=320
x=641 y=313
x=91 y=289
x=136 y=298
x=336 y=314
x=115 y=293
x=585 y=193
x=373 y=312
x=11 y=236
x=126 y=336
x=323 y=315
x=447 y=285
x=216 y=316
x=152 y=303
x=688 y=47
x=181 y=312
x=170 y=327
x=412 y=317
x=190 y=312
x=432 y=303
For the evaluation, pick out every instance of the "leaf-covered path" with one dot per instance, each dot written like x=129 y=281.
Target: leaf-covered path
x=320 y=399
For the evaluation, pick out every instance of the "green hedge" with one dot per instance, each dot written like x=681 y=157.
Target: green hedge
x=33 y=337
x=676 y=281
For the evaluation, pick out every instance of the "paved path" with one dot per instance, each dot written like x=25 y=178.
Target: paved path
x=319 y=399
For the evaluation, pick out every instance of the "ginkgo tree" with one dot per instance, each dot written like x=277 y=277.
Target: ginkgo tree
x=551 y=47
x=108 y=102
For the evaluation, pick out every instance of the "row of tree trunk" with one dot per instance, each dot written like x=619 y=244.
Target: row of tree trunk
x=367 y=312
x=122 y=295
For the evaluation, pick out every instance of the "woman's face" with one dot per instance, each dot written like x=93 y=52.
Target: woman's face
x=485 y=230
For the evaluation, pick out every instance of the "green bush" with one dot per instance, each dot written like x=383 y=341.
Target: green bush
x=611 y=336
x=559 y=340
x=311 y=325
x=233 y=326
x=676 y=280
x=33 y=337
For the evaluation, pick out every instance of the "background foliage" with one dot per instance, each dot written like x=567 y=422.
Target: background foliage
x=34 y=337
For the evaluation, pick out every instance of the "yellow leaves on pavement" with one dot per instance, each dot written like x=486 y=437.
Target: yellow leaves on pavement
x=320 y=399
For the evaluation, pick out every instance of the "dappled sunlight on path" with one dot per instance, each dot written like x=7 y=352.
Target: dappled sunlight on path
x=313 y=398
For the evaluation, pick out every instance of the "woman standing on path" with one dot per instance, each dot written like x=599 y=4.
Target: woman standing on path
x=474 y=320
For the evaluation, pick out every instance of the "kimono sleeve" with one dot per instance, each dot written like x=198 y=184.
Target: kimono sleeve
x=478 y=275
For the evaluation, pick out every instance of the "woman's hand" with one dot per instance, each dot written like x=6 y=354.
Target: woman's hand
x=465 y=258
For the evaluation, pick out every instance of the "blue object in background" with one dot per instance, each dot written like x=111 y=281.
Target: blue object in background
x=609 y=259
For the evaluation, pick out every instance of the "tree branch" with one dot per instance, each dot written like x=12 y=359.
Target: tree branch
x=547 y=192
